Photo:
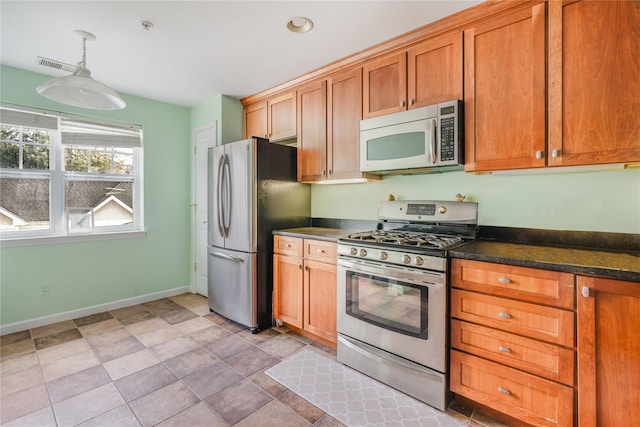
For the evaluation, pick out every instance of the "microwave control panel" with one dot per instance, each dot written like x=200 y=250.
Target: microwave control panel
x=449 y=138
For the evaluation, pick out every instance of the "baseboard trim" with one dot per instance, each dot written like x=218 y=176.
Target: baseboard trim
x=86 y=311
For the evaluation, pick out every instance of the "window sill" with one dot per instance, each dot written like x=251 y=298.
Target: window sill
x=73 y=238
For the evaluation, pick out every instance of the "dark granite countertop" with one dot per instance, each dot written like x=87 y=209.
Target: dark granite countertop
x=597 y=262
x=319 y=233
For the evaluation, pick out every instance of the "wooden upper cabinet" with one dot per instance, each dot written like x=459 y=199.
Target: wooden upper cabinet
x=608 y=320
x=434 y=70
x=384 y=85
x=281 y=116
x=274 y=119
x=344 y=112
x=255 y=120
x=594 y=82
x=505 y=91
x=312 y=127
x=425 y=73
x=329 y=114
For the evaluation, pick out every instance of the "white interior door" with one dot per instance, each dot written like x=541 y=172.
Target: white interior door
x=204 y=137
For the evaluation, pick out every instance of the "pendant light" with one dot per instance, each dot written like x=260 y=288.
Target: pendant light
x=80 y=89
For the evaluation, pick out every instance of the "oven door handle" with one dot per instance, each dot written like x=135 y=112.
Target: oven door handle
x=418 y=277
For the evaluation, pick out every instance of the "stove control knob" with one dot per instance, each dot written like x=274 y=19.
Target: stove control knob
x=442 y=209
x=353 y=251
x=406 y=259
x=419 y=260
x=363 y=252
x=383 y=256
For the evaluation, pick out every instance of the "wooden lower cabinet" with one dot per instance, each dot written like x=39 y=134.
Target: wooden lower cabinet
x=304 y=286
x=513 y=341
x=529 y=398
x=608 y=352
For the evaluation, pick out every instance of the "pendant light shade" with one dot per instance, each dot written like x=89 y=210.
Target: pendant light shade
x=80 y=89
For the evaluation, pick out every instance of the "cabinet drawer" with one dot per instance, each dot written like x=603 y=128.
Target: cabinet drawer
x=285 y=245
x=320 y=250
x=528 y=284
x=533 y=400
x=534 y=321
x=547 y=360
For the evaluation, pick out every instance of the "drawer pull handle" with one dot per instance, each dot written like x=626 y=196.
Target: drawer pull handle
x=320 y=251
x=286 y=245
x=504 y=349
x=504 y=315
x=504 y=280
x=504 y=391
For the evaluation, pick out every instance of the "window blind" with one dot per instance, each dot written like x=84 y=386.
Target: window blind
x=28 y=120
x=90 y=134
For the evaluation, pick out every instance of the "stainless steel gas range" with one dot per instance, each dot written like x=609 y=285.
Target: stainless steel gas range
x=393 y=296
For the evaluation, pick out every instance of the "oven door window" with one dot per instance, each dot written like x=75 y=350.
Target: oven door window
x=388 y=303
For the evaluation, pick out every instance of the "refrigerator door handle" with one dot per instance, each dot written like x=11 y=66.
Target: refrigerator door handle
x=219 y=195
x=225 y=256
x=227 y=204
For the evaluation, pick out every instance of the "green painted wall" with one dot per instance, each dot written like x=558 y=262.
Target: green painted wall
x=225 y=111
x=594 y=201
x=83 y=274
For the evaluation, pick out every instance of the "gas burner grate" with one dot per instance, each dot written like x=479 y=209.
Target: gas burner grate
x=403 y=238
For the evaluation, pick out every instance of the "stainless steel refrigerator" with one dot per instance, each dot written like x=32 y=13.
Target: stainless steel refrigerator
x=252 y=191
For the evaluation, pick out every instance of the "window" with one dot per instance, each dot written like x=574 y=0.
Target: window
x=64 y=176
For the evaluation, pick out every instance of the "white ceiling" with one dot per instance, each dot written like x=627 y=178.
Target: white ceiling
x=200 y=48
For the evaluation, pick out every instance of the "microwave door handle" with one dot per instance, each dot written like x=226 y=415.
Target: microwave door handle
x=432 y=153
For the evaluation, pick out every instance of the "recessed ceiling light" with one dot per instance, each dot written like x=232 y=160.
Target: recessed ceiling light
x=299 y=24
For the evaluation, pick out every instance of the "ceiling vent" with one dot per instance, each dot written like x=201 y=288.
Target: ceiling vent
x=51 y=63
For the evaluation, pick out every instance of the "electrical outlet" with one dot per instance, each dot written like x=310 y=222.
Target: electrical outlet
x=45 y=289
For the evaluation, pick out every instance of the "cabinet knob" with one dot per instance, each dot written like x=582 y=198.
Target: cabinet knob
x=411 y=101
x=330 y=173
x=554 y=153
x=323 y=172
x=504 y=315
x=504 y=391
x=585 y=291
x=306 y=268
x=504 y=349
x=402 y=104
x=320 y=251
x=504 y=280
x=299 y=266
x=538 y=154
x=286 y=245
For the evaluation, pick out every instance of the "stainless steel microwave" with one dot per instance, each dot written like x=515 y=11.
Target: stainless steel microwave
x=414 y=141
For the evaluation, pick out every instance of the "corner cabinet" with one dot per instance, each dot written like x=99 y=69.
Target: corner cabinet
x=594 y=82
x=504 y=104
x=425 y=73
x=304 y=286
x=274 y=118
x=512 y=340
x=608 y=352
x=329 y=114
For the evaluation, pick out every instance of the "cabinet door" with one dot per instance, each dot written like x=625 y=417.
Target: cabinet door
x=434 y=70
x=255 y=120
x=608 y=352
x=344 y=100
x=281 y=116
x=505 y=92
x=287 y=289
x=384 y=85
x=312 y=126
x=594 y=82
x=320 y=299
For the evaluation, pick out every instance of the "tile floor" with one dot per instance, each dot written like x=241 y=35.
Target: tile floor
x=168 y=362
